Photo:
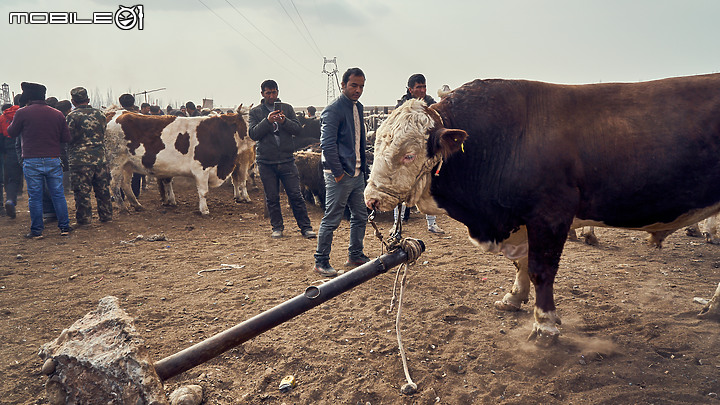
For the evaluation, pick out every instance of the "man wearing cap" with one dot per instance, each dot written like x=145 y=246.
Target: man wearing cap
x=86 y=155
x=43 y=129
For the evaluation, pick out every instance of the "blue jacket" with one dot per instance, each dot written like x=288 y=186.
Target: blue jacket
x=337 y=137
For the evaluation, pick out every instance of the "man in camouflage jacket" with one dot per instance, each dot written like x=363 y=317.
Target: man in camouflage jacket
x=86 y=155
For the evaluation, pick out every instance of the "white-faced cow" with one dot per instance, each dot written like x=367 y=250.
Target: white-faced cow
x=209 y=149
x=520 y=163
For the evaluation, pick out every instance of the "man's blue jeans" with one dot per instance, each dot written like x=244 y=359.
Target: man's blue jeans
x=37 y=171
x=349 y=191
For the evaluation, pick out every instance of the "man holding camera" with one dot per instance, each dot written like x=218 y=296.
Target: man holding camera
x=272 y=125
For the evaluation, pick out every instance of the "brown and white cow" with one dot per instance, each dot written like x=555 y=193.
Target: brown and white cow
x=520 y=163
x=209 y=149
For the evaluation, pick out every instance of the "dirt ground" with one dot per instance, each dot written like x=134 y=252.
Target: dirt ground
x=629 y=335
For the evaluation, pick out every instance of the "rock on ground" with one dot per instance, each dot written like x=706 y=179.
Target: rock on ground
x=100 y=359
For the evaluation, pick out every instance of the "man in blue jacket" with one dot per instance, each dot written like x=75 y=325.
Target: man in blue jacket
x=343 y=142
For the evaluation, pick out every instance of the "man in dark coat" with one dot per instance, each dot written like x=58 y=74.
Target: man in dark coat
x=272 y=125
x=43 y=129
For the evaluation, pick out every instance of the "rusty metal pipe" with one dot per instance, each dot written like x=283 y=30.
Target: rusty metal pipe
x=313 y=296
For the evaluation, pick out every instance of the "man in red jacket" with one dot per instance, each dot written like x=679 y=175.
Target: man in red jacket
x=43 y=129
x=12 y=177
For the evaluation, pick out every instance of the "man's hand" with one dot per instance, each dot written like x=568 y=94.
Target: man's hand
x=276 y=116
x=337 y=179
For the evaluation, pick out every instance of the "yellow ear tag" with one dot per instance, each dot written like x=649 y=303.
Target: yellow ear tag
x=462 y=147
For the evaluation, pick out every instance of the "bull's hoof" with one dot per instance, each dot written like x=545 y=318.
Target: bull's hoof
x=544 y=335
x=243 y=201
x=709 y=239
x=591 y=239
x=654 y=241
x=511 y=302
x=712 y=308
x=139 y=208
x=710 y=312
x=507 y=305
x=693 y=231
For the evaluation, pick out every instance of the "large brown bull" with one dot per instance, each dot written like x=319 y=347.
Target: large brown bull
x=520 y=163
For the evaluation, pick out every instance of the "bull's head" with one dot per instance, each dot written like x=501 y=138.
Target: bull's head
x=408 y=145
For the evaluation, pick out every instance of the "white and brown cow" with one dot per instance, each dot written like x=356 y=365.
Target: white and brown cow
x=208 y=149
x=520 y=163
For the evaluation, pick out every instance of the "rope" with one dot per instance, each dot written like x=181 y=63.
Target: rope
x=409 y=388
x=413 y=249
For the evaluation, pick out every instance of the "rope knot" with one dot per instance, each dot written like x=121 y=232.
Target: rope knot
x=412 y=247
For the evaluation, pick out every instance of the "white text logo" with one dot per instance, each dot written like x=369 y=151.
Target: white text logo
x=125 y=18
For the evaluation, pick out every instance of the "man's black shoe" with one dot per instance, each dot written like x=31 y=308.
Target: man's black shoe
x=358 y=261
x=10 y=209
x=325 y=269
x=32 y=235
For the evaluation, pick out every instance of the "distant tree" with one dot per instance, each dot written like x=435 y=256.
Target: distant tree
x=110 y=99
x=95 y=98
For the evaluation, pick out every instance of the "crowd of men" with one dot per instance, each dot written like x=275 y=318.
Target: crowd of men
x=44 y=138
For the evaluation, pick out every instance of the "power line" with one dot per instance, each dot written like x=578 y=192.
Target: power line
x=297 y=28
x=251 y=42
x=306 y=28
x=268 y=38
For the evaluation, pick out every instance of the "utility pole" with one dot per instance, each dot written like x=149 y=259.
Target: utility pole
x=5 y=96
x=333 y=85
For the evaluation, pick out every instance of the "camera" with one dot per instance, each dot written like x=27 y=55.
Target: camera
x=278 y=106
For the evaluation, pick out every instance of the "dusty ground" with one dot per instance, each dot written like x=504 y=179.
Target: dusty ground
x=630 y=335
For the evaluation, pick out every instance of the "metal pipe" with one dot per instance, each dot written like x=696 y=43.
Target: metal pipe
x=312 y=297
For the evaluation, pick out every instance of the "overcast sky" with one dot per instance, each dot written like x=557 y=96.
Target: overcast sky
x=224 y=49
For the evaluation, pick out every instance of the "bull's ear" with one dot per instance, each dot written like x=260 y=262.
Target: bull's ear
x=239 y=109
x=447 y=141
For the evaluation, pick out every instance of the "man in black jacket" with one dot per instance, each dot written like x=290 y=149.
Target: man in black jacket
x=417 y=89
x=272 y=125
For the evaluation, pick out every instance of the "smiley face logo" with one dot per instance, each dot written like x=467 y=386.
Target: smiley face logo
x=127 y=18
